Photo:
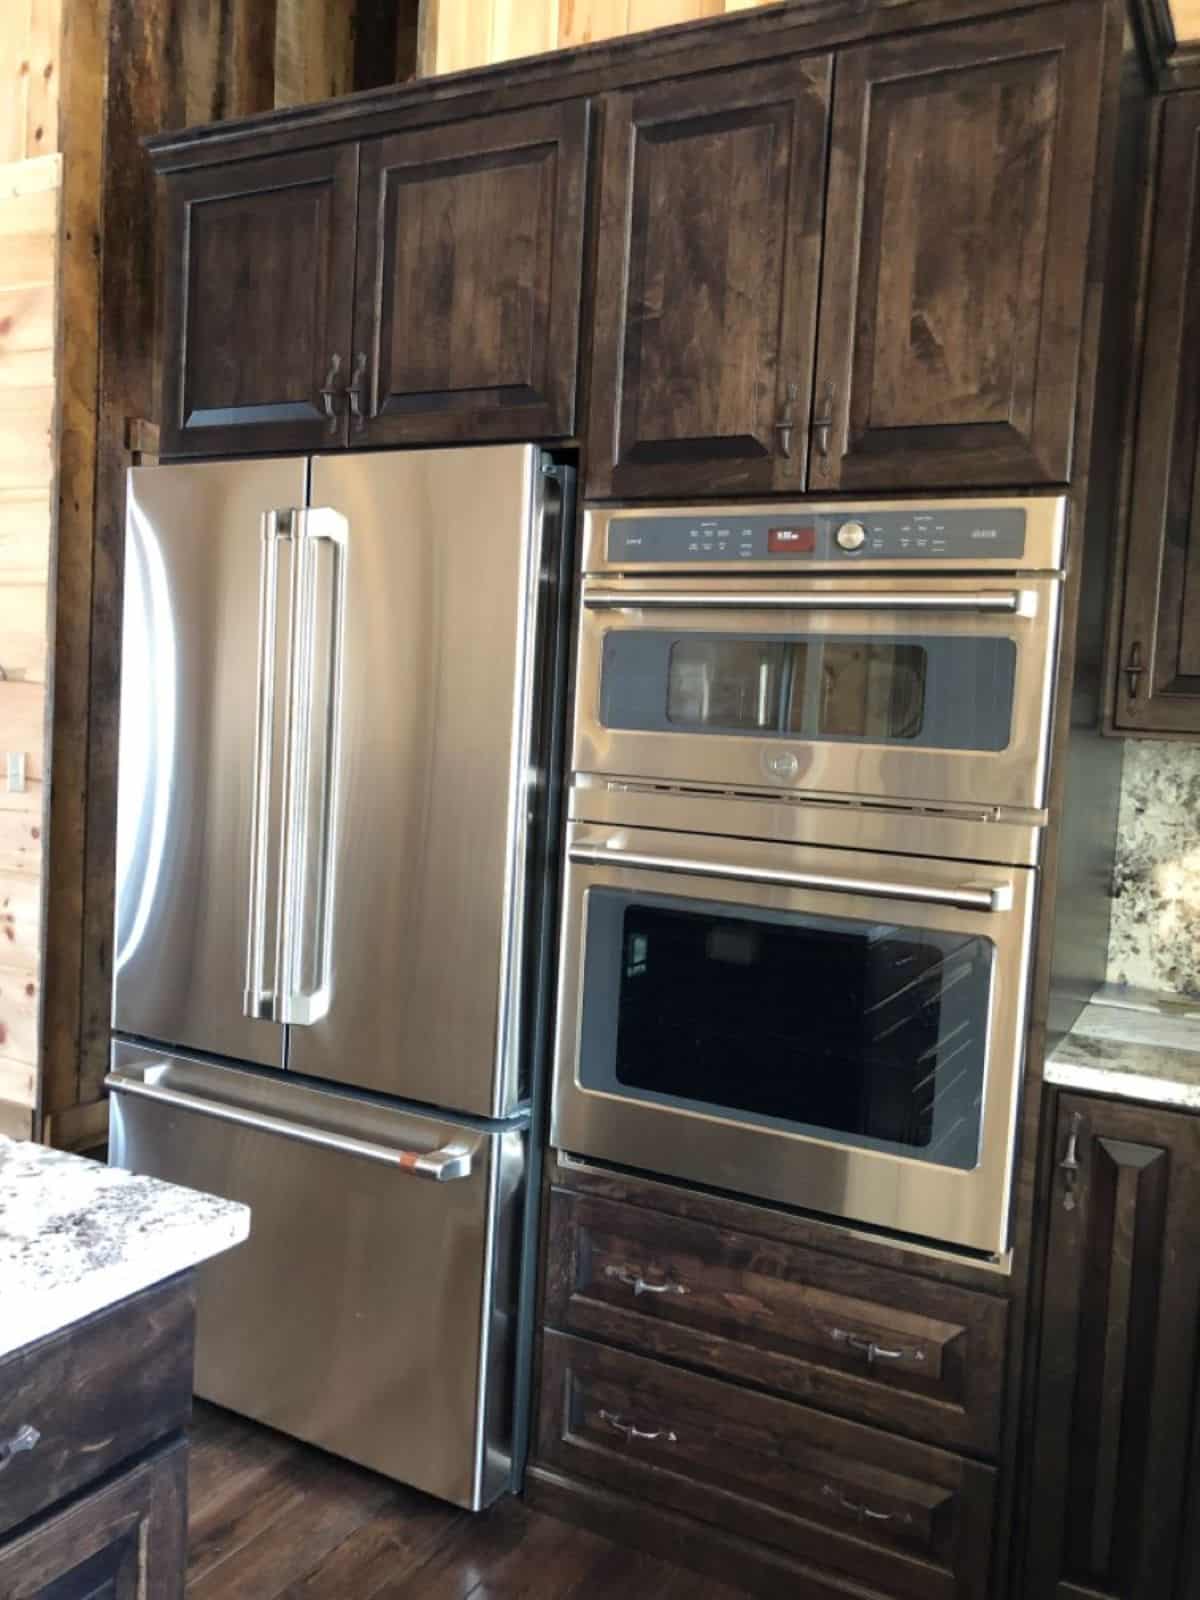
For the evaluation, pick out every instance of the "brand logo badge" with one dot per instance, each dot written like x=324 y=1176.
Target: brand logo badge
x=782 y=765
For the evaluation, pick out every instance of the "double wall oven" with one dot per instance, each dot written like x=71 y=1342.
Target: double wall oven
x=809 y=772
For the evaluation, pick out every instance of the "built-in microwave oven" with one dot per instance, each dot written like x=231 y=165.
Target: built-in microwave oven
x=884 y=652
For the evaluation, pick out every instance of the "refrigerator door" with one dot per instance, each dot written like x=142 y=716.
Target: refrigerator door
x=370 y=1311
x=201 y=601
x=439 y=573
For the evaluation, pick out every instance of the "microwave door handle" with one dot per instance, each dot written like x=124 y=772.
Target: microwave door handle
x=982 y=602
x=278 y=540
x=454 y=1160
x=313 y=749
x=964 y=897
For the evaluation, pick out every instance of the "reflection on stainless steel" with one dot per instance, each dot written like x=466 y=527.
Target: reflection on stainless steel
x=367 y=1313
x=437 y=683
x=985 y=602
x=187 y=753
x=763 y=885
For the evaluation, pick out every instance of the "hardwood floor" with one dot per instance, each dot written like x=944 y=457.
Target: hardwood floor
x=272 y=1519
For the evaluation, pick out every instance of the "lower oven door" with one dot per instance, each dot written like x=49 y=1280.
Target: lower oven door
x=830 y=1029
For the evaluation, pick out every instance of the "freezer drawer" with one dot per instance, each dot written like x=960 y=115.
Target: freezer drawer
x=371 y=1311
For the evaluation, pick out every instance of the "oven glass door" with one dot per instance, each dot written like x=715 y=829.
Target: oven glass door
x=836 y=1030
x=930 y=693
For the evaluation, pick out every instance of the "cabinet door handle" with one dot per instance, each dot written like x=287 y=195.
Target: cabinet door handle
x=822 y=423
x=785 y=426
x=1134 y=669
x=24 y=1439
x=330 y=392
x=638 y=1284
x=358 y=415
x=862 y=1512
x=1069 y=1165
x=627 y=1429
x=873 y=1352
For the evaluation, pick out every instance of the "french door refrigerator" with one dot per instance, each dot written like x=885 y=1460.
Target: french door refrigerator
x=332 y=935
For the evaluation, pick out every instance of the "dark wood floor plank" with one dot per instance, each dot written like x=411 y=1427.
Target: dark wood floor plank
x=394 y=1543
x=456 y=1569
x=230 y=1457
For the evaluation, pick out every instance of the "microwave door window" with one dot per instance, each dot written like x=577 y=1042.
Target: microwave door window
x=869 y=1034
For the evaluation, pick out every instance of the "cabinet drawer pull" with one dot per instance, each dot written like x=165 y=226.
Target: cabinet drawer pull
x=1069 y=1165
x=823 y=424
x=864 y=1513
x=1134 y=669
x=358 y=416
x=873 y=1352
x=638 y=1284
x=24 y=1439
x=329 y=394
x=786 y=425
x=628 y=1430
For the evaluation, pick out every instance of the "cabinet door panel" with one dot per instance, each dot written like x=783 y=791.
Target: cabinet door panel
x=469 y=279
x=258 y=302
x=126 y=1541
x=952 y=294
x=711 y=206
x=1158 y=684
x=1118 y=1355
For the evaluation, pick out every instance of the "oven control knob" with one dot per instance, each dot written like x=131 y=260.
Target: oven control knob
x=851 y=536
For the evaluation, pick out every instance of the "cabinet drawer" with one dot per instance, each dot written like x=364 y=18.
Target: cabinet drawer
x=95 y=1394
x=859 y=1505
x=921 y=1357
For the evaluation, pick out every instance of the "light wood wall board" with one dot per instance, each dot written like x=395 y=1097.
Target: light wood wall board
x=459 y=34
x=29 y=76
x=1185 y=14
x=314 y=50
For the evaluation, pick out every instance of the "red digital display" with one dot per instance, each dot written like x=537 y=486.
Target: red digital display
x=791 y=541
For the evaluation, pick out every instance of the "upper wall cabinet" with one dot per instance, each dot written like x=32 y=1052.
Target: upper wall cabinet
x=470 y=265
x=706 y=293
x=1157 y=667
x=259 y=304
x=956 y=242
x=458 y=318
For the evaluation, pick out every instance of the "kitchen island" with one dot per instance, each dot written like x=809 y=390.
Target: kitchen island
x=97 y=1327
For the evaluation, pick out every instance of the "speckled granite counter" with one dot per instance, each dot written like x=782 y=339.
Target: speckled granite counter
x=1135 y=1045
x=76 y=1237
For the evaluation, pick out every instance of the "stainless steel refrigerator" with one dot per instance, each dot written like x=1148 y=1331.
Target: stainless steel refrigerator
x=333 y=904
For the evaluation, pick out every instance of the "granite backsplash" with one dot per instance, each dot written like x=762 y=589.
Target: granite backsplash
x=1155 y=940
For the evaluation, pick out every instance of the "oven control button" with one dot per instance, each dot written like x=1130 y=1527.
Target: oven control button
x=851 y=536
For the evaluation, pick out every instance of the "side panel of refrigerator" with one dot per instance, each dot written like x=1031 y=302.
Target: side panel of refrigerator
x=190 y=671
x=371 y=1311
x=432 y=787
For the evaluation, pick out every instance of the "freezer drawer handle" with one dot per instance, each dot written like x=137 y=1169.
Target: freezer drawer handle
x=452 y=1161
x=1001 y=602
x=966 y=897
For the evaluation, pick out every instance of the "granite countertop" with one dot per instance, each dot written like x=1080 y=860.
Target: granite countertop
x=1133 y=1044
x=76 y=1237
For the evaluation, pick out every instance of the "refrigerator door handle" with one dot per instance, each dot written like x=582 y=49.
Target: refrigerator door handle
x=313 y=752
x=446 y=1165
x=266 y=910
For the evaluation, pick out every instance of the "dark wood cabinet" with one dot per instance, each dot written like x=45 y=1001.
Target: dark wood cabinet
x=258 y=305
x=958 y=218
x=706 y=290
x=1156 y=676
x=470 y=262
x=1118 y=1358
x=126 y=1541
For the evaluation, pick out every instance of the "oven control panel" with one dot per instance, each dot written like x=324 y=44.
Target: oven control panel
x=949 y=533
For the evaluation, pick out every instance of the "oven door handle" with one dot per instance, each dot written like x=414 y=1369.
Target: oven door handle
x=965 y=897
x=1000 y=602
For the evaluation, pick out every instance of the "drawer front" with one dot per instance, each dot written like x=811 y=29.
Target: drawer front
x=909 y=1520
x=920 y=1357
x=95 y=1395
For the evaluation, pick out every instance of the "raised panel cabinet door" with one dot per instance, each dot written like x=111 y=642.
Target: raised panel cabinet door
x=1118 y=1355
x=258 y=305
x=127 y=1541
x=712 y=195
x=952 y=293
x=470 y=271
x=1158 y=668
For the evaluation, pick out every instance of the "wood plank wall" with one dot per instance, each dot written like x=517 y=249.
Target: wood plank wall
x=457 y=34
x=29 y=249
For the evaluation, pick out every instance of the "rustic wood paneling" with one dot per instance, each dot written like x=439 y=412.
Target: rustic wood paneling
x=29 y=62
x=30 y=193
x=314 y=50
x=458 y=34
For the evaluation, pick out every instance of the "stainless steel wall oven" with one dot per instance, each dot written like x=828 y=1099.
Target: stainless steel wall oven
x=801 y=865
